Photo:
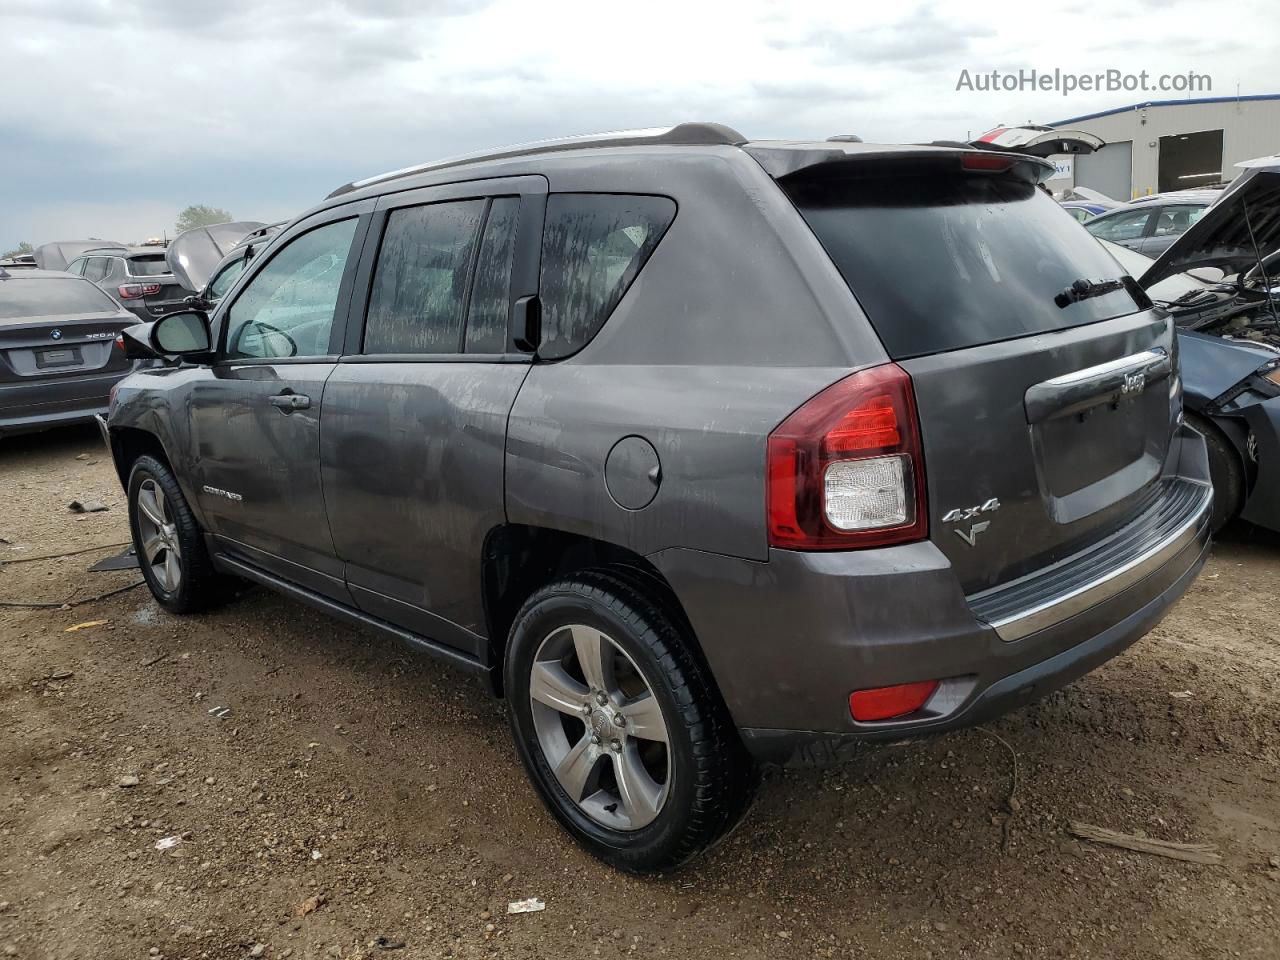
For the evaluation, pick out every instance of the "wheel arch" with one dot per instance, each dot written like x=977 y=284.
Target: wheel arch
x=518 y=559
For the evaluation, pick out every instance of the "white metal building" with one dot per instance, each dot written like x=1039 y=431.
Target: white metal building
x=1171 y=144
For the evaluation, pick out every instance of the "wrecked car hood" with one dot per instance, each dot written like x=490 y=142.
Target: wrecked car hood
x=1222 y=236
x=59 y=253
x=194 y=253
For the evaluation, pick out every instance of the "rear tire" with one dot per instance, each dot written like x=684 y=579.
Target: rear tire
x=168 y=541
x=1224 y=470
x=651 y=792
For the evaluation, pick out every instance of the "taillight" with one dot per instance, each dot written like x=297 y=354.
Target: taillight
x=134 y=291
x=885 y=703
x=846 y=470
x=120 y=343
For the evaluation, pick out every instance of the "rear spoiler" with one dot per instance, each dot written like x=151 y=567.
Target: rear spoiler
x=783 y=161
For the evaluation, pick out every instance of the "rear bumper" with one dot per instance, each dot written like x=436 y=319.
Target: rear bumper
x=788 y=640
x=27 y=407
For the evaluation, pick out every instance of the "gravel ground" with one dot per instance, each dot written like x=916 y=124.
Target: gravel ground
x=355 y=798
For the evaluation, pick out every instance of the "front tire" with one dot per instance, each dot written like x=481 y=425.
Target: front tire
x=168 y=541
x=619 y=726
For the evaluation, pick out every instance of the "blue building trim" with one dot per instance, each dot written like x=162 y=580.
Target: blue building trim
x=1164 y=103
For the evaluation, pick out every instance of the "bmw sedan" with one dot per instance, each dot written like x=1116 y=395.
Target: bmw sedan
x=58 y=353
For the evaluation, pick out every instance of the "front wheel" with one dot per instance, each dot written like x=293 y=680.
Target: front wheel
x=618 y=725
x=168 y=541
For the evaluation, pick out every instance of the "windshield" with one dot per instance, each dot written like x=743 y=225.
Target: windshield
x=943 y=263
x=51 y=296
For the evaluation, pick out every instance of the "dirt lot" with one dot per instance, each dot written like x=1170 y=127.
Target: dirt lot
x=354 y=792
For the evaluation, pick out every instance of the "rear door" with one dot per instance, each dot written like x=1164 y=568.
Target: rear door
x=255 y=413
x=415 y=416
x=1045 y=415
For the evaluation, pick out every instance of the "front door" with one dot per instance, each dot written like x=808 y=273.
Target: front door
x=415 y=416
x=255 y=414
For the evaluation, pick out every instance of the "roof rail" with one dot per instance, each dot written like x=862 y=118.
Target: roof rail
x=683 y=134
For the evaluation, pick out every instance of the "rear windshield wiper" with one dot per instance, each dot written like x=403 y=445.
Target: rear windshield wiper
x=1084 y=289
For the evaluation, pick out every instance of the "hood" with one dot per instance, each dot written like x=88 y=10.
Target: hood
x=1039 y=141
x=1211 y=366
x=194 y=253
x=1221 y=237
x=58 y=254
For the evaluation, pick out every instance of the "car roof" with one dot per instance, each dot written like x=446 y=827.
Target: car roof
x=1177 y=196
x=778 y=157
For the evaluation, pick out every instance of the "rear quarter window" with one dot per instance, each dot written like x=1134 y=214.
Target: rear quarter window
x=946 y=262
x=593 y=246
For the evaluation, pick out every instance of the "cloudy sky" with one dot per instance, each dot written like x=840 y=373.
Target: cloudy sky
x=115 y=114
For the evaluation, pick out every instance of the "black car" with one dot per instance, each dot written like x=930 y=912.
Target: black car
x=139 y=277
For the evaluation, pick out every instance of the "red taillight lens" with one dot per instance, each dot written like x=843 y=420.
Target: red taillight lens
x=120 y=343
x=987 y=162
x=846 y=470
x=134 y=291
x=885 y=703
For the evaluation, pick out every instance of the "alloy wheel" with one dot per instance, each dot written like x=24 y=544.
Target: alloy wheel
x=600 y=727
x=158 y=536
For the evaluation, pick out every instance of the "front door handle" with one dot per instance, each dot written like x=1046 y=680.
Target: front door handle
x=291 y=401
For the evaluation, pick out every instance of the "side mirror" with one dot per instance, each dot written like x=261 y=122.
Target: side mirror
x=183 y=334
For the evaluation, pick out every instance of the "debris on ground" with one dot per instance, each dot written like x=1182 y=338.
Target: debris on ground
x=168 y=843
x=125 y=560
x=60 y=675
x=386 y=943
x=532 y=905
x=1192 y=852
x=219 y=712
x=87 y=506
x=128 y=780
x=84 y=626
x=310 y=905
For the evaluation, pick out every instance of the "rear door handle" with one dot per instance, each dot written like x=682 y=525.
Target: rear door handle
x=291 y=401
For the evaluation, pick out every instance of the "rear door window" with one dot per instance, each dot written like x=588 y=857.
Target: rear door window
x=947 y=262
x=98 y=268
x=1130 y=225
x=418 y=299
x=491 y=291
x=593 y=246
x=1175 y=220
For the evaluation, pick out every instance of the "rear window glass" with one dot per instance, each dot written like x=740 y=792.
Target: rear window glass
x=51 y=296
x=147 y=266
x=943 y=263
x=593 y=245
x=420 y=283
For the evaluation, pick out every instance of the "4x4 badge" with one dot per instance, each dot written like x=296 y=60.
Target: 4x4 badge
x=970 y=536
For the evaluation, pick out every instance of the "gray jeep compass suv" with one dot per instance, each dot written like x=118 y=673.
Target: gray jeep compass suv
x=705 y=451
